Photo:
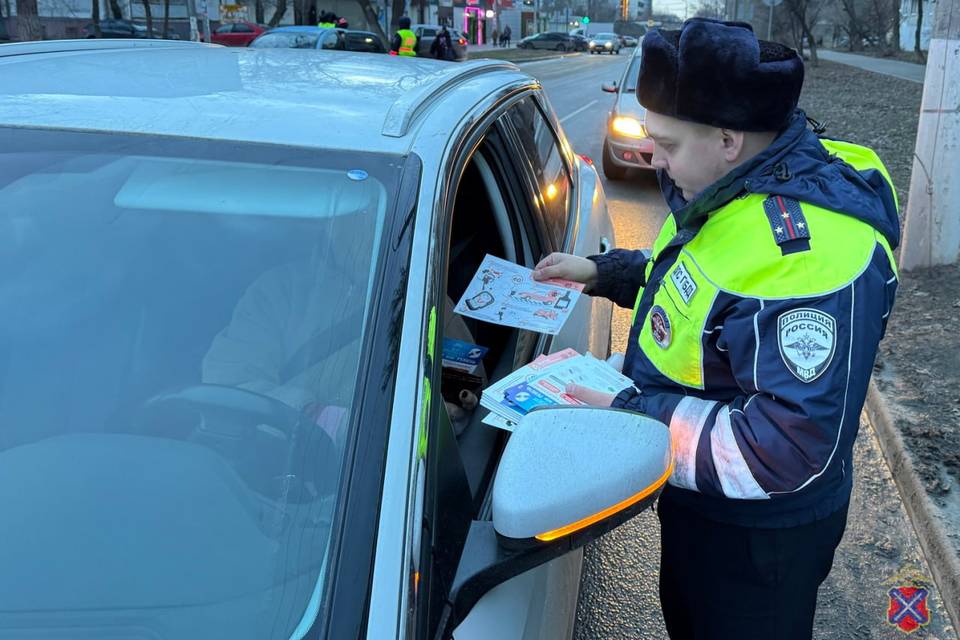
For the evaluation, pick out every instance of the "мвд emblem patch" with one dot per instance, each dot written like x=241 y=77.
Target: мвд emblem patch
x=807 y=339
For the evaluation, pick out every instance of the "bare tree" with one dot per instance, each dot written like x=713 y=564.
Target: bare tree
x=373 y=21
x=95 y=18
x=853 y=29
x=166 y=16
x=278 y=13
x=916 y=35
x=28 y=23
x=804 y=14
x=116 y=9
x=149 y=15
x=258 y=11
x=396 y=13
x=895 y=21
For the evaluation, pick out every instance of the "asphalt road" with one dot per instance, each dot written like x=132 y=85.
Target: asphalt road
x=619 y=585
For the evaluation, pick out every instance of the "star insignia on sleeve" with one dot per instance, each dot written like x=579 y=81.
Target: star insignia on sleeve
x=800 y=225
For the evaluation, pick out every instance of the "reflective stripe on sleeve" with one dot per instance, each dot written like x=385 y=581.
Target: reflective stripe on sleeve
x=686 y=424
x=735 y=476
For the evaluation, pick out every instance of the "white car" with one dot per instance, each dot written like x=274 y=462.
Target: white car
x=228 y=275
x=626 y=145
x=605 y=43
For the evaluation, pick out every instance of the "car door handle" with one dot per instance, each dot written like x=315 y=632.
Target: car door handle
x=604 y=244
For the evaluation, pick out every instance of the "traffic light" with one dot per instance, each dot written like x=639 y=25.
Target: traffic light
x=586 y=20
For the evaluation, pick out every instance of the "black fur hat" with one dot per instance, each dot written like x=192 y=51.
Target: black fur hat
x=718 y=73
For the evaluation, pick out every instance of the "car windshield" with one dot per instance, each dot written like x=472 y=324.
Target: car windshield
x=287 y=40
x=606 y=36
x=629 y=84
x=179 y=355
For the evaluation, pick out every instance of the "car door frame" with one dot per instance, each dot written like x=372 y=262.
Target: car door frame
x=391 y=593
x=442 y=454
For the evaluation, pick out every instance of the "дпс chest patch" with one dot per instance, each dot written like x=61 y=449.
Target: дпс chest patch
x=807 y=339
x=684 y=283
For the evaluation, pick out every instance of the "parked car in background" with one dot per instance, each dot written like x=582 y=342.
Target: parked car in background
x=626 y=144
x=427 y=33
x=305 y=37
x=552 y=40
x=299 y=226
x=237 y=34
x=605 y=43
x=111 y=28
x=629 y=41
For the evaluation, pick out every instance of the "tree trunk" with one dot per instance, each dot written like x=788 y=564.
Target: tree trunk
x=895 y=20
x=95 y=18
x=854 y=30
x=278 y=13
x=149 y=16
x=916 y=36
x=814 y=60
x=116 y=9
x=373 y=23
x=28 y=23
x=258 y=11
x=395 y=14
x=166 y=16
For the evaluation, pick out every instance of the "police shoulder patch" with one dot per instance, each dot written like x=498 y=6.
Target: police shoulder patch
x=788 y=224
x=808 y=340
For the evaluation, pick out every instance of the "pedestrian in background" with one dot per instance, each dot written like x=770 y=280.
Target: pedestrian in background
x=505 y=37
x=404 y=41
x=757 y=317
x=442 y=46
x=495 y=37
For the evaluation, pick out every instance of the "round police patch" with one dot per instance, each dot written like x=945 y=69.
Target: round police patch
x=807 y=340
x=660 y=327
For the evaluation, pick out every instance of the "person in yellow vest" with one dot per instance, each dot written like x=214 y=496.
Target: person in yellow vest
x=328 y=20
x=756 y=320
x=404 y=41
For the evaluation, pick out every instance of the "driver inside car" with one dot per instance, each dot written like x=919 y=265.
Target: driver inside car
x=293 y=333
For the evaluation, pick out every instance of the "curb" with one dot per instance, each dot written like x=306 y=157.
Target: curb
x=936 y=547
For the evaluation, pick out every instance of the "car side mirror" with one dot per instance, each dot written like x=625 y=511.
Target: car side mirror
x=567 y=476
x=609 y=87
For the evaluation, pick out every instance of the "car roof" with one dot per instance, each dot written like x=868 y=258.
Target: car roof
x=301 y=28
x=323 y=99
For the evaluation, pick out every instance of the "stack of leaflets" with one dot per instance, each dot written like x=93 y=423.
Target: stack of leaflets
x=543 y=382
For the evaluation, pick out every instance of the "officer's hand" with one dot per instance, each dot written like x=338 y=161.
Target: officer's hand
x=590 y=396
x=567 y=267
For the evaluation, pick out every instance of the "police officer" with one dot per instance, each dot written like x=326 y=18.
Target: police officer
x=757 y=316
x=404 y=40
x=327 y=20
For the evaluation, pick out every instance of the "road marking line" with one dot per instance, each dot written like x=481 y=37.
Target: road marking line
x=578 y=111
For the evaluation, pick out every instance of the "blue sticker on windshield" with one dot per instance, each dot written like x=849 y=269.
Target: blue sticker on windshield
x=357 y=174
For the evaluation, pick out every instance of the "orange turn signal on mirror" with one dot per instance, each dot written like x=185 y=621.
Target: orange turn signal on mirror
x=609 y=511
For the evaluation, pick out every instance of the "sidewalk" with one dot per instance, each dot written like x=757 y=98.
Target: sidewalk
x=896 y=68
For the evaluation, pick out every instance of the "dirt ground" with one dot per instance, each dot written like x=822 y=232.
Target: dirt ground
x=918 y=369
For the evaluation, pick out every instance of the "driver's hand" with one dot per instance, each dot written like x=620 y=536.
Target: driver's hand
x=566 y=267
